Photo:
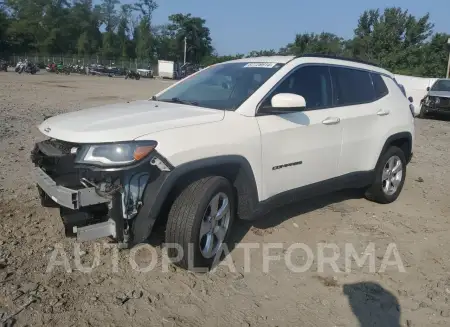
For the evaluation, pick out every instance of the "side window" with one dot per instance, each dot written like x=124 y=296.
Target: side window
x=351 y=86
x=380 y=87
x=311 y=82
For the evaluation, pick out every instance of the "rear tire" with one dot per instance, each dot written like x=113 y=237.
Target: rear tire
x=200 y=220
x=389 y=177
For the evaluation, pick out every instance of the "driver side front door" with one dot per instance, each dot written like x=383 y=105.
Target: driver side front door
x=301 y=148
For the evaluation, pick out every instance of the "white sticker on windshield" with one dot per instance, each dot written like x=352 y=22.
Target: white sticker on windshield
x=260 y=65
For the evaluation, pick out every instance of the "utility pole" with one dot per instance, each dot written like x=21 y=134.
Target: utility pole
x=448 y=65
x=185 y=47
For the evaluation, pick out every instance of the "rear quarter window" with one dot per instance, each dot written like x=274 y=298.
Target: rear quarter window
x=379 y=86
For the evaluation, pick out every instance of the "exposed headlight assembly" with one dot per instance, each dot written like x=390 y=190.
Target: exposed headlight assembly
x=114 y=154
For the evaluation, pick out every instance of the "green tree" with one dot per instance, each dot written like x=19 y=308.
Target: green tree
x=109 y=14
x=215 y=59
x=123 y=30
x=166 y=45
x=394 y=39
x=324 y=43
x=86 y=21
x=435 y=56
x=54 y=29
x=4 y=26
x=109 y=45
x=144 y=43
x=262 y=53
x=198 y=39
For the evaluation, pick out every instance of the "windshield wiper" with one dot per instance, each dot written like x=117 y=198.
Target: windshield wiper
x=178 y=100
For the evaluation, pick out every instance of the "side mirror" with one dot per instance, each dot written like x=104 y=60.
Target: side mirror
x=288 y=100
x=428 y=88
x=411 y=99
x=285 y=103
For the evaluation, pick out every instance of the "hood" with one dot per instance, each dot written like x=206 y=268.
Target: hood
x=441 y=94
x=125 y=121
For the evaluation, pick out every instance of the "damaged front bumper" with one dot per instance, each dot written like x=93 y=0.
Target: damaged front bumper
x=433 y=104
x=66 y=197
x=94 y=202
x=75 y=200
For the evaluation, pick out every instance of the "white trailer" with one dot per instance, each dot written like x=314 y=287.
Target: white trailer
x=166 y=69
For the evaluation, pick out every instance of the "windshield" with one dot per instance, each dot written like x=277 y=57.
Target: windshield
x=225 y=86
x=441 y=85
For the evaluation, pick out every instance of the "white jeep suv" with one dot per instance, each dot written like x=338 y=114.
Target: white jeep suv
x=226 y=142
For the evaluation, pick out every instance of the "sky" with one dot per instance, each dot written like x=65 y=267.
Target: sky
x=240 y=26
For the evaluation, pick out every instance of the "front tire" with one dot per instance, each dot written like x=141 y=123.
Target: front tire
x=390 y=175
x=199 y=222
x=422 y=113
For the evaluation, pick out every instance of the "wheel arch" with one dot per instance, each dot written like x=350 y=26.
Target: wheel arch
x=160 y=194
x=403 y=140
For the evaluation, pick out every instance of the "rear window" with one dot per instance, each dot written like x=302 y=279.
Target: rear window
x=351 y=86
x=380 y=87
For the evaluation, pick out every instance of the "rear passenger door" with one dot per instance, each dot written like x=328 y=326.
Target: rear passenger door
x=360 y=98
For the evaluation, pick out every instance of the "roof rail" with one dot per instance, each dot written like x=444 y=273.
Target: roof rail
x=332 y=56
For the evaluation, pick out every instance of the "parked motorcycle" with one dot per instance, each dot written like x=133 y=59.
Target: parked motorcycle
x=3 y=66
x=19 y=67
x=28 y=67
x=61 y=69
x=132 y=75
x=51 y=68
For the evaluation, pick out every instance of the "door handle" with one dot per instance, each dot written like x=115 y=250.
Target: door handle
x=331 y=121
x=383 y=112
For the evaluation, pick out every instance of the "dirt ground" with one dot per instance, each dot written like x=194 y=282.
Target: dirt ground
x=417 y=224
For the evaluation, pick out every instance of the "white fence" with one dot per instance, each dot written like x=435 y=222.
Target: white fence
x=416 y=87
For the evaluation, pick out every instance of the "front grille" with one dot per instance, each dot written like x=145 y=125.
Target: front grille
x=443 y=102
x=62 y=146
x=54 y=157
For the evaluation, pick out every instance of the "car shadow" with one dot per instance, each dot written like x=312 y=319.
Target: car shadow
x=277 y=215
x=373 y=305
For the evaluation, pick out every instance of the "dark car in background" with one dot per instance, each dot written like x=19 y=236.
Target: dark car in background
x=437 y=99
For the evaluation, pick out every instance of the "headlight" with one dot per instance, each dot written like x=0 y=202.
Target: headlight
x=115 y=154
